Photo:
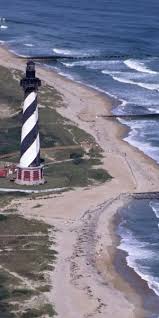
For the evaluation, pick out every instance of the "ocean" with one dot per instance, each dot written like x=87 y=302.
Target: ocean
x=138 y=230
x=116 y=46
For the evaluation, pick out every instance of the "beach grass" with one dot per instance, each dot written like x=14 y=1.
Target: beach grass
x=27 y=258
x=10 y=94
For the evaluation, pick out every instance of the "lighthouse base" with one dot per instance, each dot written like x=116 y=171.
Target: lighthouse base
x=30 y=176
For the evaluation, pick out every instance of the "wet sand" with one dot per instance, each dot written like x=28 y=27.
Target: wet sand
x=85 y=282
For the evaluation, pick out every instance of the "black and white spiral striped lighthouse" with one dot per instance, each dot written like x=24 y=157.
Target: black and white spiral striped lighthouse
x=30 y=170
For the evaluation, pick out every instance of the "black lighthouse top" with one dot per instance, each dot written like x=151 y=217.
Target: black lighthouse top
x=30 y=82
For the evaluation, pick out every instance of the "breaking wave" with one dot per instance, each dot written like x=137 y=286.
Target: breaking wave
x=138 y=252
x=138 y=66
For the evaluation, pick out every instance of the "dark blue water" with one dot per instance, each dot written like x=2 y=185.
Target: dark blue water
x=102 y=29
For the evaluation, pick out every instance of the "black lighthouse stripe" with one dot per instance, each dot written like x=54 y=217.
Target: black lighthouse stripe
x=29 y=139
x=30 y=110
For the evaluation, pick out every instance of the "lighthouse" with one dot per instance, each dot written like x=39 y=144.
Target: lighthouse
x=30 y=170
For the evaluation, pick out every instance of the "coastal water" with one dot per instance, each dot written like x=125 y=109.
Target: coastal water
x=116 y=45
x=138 y=231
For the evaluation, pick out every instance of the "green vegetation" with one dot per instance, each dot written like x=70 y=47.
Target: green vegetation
x=49 y=96
x=10 y=94
x=6 y=198
x=9 y=139
x=66 y=153
x=46 y=309
x=99 y=175
x=57 y=134
x=70 y=175
x=26 y=257
x=10 y=210
x=3 y=217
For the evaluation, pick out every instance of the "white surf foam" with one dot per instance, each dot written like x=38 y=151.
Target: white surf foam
x=123 y=103
x=94 y=65
x=3 y=26
x=136 y=137
x=153 y=110
x=97 y=65
x=123 y=80
x=138 y=66
x=71 y=52
x=149 y=86
x=153 y=282
x=29 y=44
x=16 y=53
x=155 y=207
x=69 y=64
x=62 y=51
x=110 y=72
x=69 y=76
x=137 y=251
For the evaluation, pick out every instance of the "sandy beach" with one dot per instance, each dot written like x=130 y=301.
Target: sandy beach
x=85 y=283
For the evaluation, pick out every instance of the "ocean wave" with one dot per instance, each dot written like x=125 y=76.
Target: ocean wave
x=137 y=252
x=64 y=51
x=3 y=26
x=121 y=101
x=155 y=208
x=137 y=137
x=110 y=72
x=149 y=86
x=138 y=66
x=140 y=80
x=153 y=110
x=142 y=271
x=69 y=64
x=123 y=80
x=69 y=76
x=16 y=53
x=28 y=44
x=74 y=52
x=94 y=65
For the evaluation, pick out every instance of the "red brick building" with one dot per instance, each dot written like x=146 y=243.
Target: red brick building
x=7 y=170
x=3 y=172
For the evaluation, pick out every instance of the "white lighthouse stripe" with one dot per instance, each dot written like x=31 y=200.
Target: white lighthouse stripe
x=28 y=100
x=37 y=144
x=30 y=154
x=29 y=124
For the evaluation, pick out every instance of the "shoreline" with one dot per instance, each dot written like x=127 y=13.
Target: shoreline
x=130 y=169
x=130 y=275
